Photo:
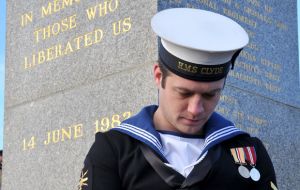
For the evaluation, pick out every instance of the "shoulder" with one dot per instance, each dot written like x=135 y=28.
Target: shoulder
x=112 y=138
x=261 y=153
x=252 y=153
x=243 y=140
x=110 y=144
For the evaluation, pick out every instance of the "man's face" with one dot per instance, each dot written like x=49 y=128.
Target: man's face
x=185 y=105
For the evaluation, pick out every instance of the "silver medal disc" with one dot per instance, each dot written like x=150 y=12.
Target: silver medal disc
x=244 y=172
x=254 y=174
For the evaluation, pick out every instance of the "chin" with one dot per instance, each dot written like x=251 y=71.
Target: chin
x=191 y=130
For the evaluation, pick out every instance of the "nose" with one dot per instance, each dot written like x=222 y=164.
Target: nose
x=195 y=106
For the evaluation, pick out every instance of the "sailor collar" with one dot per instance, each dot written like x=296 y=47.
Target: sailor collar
x=140 y=127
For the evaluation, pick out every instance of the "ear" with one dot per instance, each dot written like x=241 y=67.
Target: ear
x=157 y=75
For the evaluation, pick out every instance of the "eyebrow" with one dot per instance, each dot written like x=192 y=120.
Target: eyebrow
x=188 y=90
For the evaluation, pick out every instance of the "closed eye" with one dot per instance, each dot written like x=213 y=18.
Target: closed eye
x=185 y=94
x=208 y=96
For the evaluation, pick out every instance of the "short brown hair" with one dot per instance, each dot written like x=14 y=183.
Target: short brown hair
x=164 y=72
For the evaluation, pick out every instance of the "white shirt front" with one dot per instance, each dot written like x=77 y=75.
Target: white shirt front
x=182 y=152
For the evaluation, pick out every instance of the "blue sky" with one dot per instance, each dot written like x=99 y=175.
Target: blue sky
x=298 y=8
x=2 y=60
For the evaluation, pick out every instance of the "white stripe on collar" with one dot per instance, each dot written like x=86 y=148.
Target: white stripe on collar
x=141 y=133
x=140 y=127
x=221 y=133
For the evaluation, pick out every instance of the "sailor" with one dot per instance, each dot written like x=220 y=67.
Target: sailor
x=182 y=143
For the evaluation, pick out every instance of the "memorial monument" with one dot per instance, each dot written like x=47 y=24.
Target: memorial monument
x=74 y=68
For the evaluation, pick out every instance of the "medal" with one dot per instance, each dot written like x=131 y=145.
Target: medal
x=243 y=171
x=238 y=155
x=254 y=174
x=251 y=158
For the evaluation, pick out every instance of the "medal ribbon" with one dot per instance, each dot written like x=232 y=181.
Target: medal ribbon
x=241 y=155
x=238 y=155
x=233 y=153
x=250 y=155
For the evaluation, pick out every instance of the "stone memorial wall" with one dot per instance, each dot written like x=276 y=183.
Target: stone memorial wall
x=74 y=68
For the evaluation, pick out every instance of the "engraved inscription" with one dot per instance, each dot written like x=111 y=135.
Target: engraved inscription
x=102 y=9
x=245 y=121
x=26 y=19
x=68 y=133
x=68 y=24
x=74 y=132
x=60 y=50
x=55 y=28
x=56 y=6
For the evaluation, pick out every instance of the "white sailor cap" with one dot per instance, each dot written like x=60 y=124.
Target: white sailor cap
x=197 y=44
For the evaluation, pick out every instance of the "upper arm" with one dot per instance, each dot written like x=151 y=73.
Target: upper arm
x=100 y=167
x=265 y=167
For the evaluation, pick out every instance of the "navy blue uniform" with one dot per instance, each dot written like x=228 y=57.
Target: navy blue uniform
x=117 y=160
